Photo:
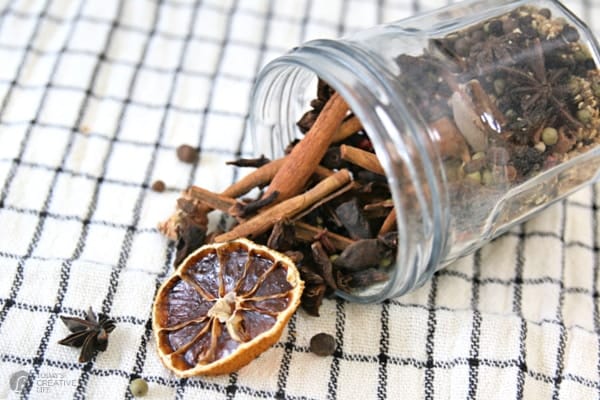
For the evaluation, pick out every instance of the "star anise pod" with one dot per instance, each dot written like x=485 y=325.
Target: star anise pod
x=487 y=55
x=542 y=93
x=91 y=333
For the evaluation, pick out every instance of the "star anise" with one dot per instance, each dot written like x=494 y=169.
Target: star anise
x=91 y=333
x=495 y=51
x=540 y=93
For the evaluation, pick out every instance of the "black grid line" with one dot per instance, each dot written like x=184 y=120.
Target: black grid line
x=595 y=274
x=562 y=339
x=517 y=309
x=338 y=355
x=384 y=347
x=288 y=348
x=475 y=328
x=430 y=340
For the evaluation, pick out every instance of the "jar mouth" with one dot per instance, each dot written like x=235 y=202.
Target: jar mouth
x=280 y=97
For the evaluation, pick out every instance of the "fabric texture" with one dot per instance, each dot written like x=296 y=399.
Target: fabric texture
x=95 y=96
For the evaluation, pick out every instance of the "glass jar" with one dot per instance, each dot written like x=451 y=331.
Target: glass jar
x=481 y=114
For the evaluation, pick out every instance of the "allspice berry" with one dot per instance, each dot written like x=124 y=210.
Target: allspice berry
x=187 y=153
x=322 y=344
x=158 y=186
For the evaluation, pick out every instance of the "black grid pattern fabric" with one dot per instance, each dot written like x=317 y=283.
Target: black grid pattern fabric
x=95 y=96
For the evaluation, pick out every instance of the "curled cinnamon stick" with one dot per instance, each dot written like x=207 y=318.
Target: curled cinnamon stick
x=286 y=209
x=302 y=162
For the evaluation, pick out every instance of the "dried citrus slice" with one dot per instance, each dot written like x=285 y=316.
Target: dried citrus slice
x=226 y=304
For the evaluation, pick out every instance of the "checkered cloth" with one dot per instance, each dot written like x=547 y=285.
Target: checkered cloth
x=94 y=98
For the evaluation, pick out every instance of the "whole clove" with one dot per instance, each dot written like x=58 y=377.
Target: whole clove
x=249 y=162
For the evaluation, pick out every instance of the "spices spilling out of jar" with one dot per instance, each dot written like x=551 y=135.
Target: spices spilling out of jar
x=507 y=99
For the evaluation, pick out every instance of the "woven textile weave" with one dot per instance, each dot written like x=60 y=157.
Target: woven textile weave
x=95 y=96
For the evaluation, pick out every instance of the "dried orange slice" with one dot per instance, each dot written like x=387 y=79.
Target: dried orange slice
x=225 y=305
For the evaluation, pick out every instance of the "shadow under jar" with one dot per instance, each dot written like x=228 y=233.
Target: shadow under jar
x=480 y=114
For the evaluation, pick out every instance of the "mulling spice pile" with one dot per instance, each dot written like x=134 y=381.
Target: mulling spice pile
x=326 y=207
x=509 y=98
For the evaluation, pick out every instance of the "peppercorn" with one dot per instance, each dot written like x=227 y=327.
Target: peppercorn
x=475 y=176
x=495 y=28
x=584 y=115
x=540 y=146
x=509 y=25
x=462 y=47
x=322 y=344
x=549 y=136
x=546 y=13
x=138 y=387
x=570 y=33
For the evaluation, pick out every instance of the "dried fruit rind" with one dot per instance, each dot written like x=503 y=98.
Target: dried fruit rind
x=226 y=304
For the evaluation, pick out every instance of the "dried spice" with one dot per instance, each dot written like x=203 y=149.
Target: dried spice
x=322 y=344
x=187 y=153
x=352 y=217
x=158 y=186
x=225 y=305
x=91 y=333
x=138 y=387
x=249 y=162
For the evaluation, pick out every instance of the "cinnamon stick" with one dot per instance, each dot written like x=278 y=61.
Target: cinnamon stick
x=211 y=199
x=302 y=162
x=262 y=176
x=286 y=209
x=348 y=128
x=362 y=158
x=389 y=223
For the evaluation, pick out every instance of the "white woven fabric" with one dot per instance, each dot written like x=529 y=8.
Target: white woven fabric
x=94 y=98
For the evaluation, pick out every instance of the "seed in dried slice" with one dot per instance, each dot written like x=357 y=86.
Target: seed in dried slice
x=224 y=305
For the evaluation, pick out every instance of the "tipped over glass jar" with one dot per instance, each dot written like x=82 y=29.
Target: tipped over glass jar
x=480 y=114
